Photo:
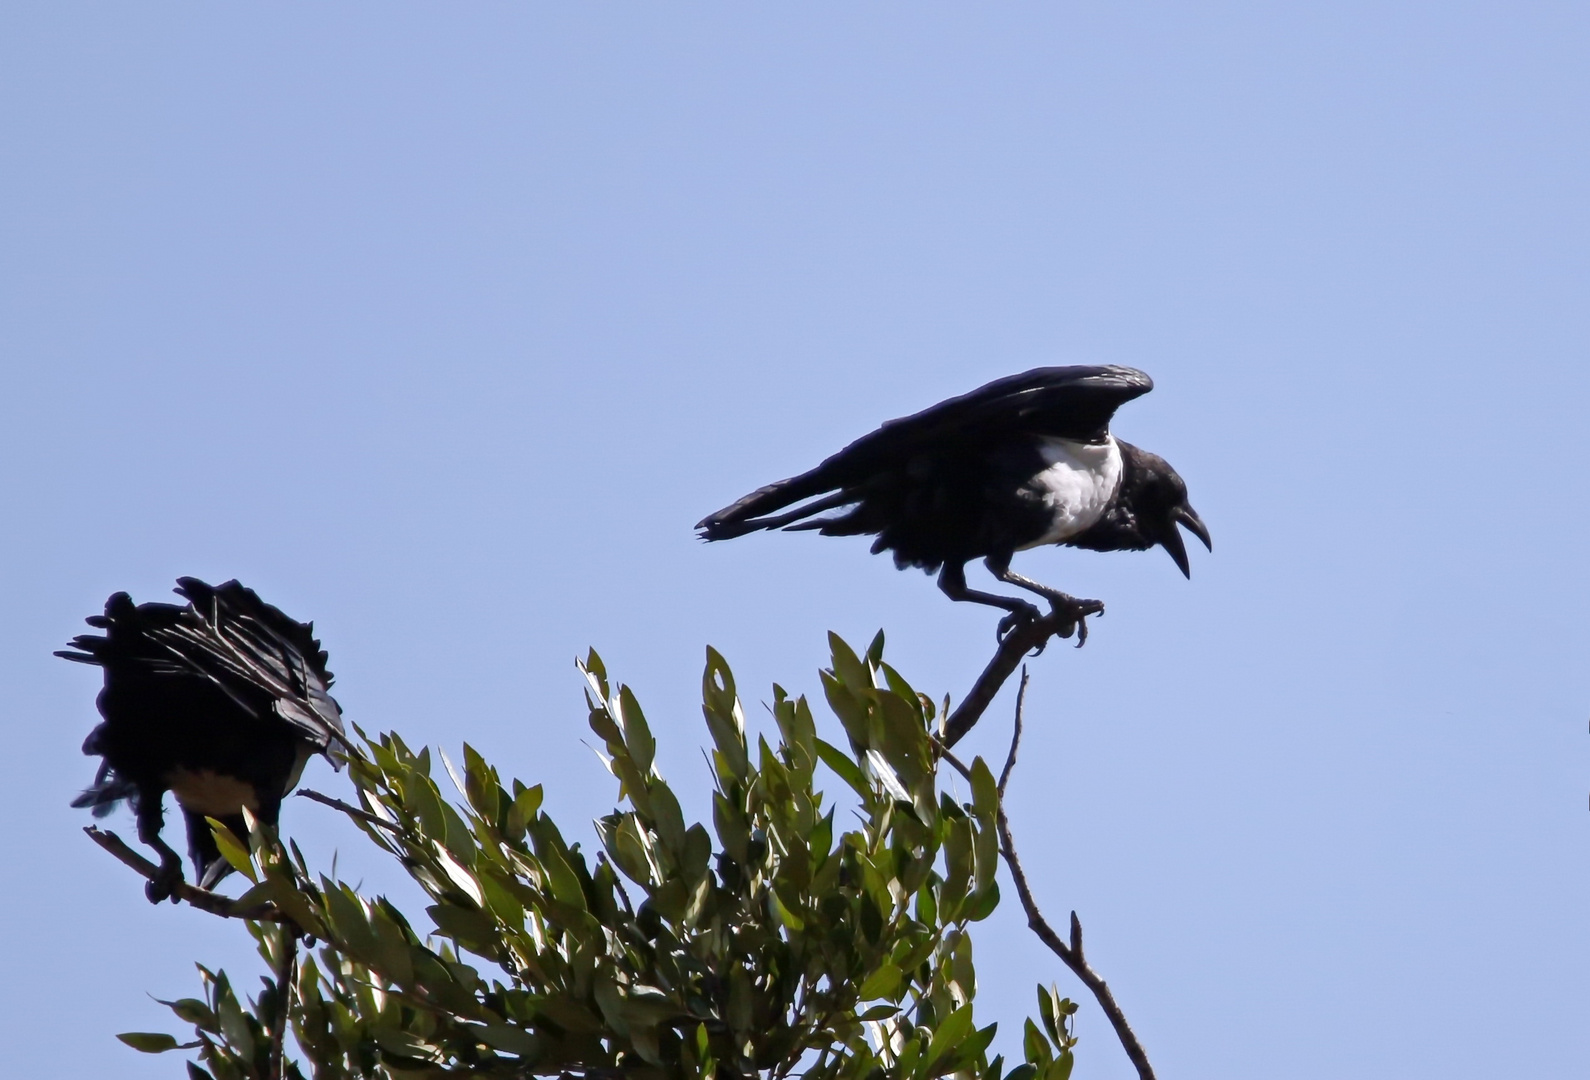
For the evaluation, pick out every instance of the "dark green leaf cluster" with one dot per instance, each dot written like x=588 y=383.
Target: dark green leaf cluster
x=783 y=941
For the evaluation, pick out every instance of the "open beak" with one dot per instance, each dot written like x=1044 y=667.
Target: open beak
x=1187 y=516
x=1172 y=542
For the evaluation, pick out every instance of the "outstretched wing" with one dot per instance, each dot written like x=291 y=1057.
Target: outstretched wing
x=1064 y=402
x=261 y=659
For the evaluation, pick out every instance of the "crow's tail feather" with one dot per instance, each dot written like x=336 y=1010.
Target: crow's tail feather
x=752 y=512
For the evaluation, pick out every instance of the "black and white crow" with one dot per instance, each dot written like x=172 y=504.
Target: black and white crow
x=221 y=701
x=1026 y=460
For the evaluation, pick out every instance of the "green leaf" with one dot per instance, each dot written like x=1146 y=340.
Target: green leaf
x=875 y=650
x=697 y=853
x=392 y=949
x=957 y=866
x=846 y=769
x=596 y=671
x=903 y=690
x=725 y=719
x=1061 y=1067
x=881 y=983
x=233 y=850
x=515 y=1040
x=1046 y=1010
x=970 y=1049
x=955 y=1027
x=985 y=791
x=351 y=925
x=263 y=893
x=790 y=920
x=473 y=929
x=425 y=802
x=848 y=667
x=480 y=784
x=637 y=735
x=459 y=875
x=886 y=774
x=734 y=832
x=1035 y=1046
x=622 y=838
x=234 y=1021
x=821 y=838
x=523 y=812
x=669 y=818
x=149 y=1042
x=602 y=722
x=565 y=885
x=192 y=1011
x=981 y=904
x=286 y=895
x=741 y=999
x=850 y=709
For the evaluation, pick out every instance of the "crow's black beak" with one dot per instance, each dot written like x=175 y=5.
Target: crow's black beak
x=1187 y=516
x=1172 y=541
x=1178 y=550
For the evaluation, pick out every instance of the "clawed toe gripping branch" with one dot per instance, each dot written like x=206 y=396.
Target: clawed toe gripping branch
x=958 y=724
x=213 y=902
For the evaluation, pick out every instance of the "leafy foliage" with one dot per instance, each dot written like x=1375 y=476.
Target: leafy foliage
x=773 y=944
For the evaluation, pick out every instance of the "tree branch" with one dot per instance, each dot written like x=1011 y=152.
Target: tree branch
x=286 y=967
x=1070 y=953
x=1017 y=644
x=1015 y=738
x=349 y=809
x=203 y=899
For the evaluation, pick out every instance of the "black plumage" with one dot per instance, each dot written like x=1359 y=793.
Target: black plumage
x=1023 y=461
x=221 y=701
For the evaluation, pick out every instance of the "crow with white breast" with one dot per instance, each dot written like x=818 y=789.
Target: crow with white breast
x=1024 y=461
x=220 y=701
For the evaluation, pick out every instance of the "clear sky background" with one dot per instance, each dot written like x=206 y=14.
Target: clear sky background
x=442 y=324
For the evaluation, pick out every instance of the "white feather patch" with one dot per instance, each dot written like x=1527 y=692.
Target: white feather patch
x=211 y=794
x=1077 y=486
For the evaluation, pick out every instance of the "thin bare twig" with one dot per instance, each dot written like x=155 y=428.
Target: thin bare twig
x=349 y=809
x=1070 y=953
x=1021 y=641
x=1015 y=738
x=203 y=899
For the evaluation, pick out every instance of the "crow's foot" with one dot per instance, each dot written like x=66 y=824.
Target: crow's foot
x=1021 y=616
x=164 y=884
x=1072 y=610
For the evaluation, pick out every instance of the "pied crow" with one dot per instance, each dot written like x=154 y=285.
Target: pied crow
x=220 y=701
x=1026 y=460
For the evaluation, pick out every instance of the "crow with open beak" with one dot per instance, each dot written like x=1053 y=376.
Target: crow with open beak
x=1025 y=461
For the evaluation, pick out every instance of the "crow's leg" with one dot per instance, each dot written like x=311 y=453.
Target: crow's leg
x=215 y=865
x=952 y=582
x=151 y=817
x=1064 y=604
x=209 y=867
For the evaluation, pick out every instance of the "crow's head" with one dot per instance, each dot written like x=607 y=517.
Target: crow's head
x=1159 y=503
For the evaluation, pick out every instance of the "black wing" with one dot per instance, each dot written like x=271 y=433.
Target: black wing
x=1065 y=402
x=264 y=661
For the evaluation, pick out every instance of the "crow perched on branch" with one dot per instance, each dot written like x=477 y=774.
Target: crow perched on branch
x=221 y=701
x=1024 y=461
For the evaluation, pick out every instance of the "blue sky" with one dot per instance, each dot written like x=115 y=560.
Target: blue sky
x=441 y=325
